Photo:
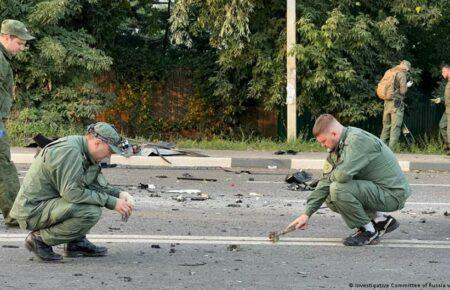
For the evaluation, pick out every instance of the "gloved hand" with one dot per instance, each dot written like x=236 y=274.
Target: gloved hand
x=436 y=100
x=409 y=84
x=127 y=197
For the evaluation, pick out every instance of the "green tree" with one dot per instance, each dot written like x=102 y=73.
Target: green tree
x=343 y=49
x=58 y=75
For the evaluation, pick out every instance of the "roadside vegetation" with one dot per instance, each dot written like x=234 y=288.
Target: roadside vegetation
x=111 y=60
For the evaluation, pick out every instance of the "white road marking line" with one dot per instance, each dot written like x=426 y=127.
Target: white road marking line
x=223 y=240
x=430 y=184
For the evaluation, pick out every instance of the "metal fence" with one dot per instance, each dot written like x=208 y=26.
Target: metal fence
x=421 y=119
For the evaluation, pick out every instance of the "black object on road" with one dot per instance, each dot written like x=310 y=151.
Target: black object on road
x=197 y=179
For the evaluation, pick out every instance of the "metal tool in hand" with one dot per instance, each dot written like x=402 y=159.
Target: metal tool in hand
x=275 y=236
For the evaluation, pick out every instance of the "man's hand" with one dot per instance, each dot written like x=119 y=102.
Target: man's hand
x=123 y=207
x=436 y=100
x=300 y=223
x=409 y=84
x=127 y=197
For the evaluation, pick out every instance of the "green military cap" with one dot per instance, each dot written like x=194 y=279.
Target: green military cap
x=406 y=64
x=16 y=28
x=108 y=134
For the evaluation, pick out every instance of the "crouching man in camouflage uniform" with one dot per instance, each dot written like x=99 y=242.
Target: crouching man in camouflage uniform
x=63 y=193
x=361 y=180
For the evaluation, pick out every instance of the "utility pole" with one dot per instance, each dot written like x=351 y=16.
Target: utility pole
x=291 y=88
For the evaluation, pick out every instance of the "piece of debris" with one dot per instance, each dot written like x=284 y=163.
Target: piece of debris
x=233 y=205
x=428 y=212
x=201 y=197
x=126 y=279
x=42 y=141
x=298 y=181
x=185 y=191
x=287 y=152
x=299 y=177
x=146 y=186
x=192 y=264
x=179 y=198
x=77 y=274
x=155 y=246
x=422 y=220
x=275 y=236
x=107 y=165
x=10 y=246
x=233 y=248
x=313 y=184
x=303 y=274
x=197 y=179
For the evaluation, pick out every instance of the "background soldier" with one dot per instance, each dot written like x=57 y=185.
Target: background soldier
x=394 y=106
x=63 y=193
x=13 y=38
x=361 y=179
x=444 y=124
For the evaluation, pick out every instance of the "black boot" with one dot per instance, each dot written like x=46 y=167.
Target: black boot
x=81 y=247
x=35 y=244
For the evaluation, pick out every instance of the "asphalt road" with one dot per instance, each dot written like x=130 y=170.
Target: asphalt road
x=221 y=243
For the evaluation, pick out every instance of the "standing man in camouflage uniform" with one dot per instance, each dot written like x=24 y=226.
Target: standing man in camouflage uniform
x=63 y=193
x=444 y=124
x=13 y=38
x=361 y=180
x=394 y=109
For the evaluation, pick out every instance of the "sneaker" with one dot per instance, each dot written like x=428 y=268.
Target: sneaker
x=386 y=226
x=44 y=252
x=82 y=247
x=362 y=237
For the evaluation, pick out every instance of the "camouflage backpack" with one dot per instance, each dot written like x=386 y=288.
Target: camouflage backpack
x=385 y=88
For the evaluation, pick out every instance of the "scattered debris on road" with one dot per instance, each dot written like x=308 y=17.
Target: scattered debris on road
x=275 y=236
x=298 y=181
x=192 y=264
x=10 y=246
x=185 y=191
x=287 y=152
x=233 y=248
x=197 y=179
x=147 y=186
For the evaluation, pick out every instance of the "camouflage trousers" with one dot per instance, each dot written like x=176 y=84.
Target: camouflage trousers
x=358 y=201
x=444 y=128
x=392 y=123
x=9 y=180
x=60 y=222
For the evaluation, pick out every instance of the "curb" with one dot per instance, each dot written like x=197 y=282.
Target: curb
x=229 y=162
